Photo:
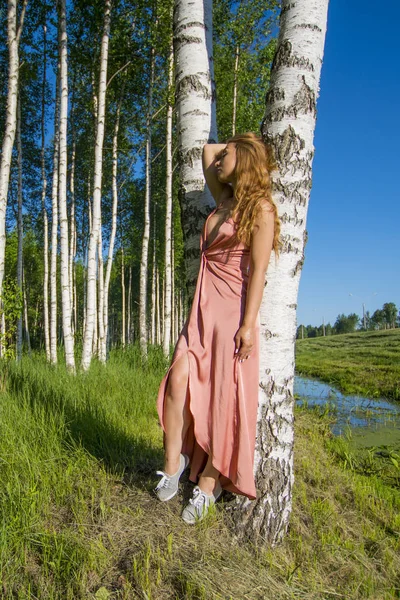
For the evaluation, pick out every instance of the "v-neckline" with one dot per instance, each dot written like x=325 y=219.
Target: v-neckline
x=206 y=236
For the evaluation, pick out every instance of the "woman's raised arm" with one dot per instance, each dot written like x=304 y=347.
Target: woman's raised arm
x=218 y=190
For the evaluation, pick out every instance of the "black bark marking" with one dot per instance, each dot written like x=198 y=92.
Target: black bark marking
x=286 y=144
x=184 y=26
x=274 y=95
x=304 y=100
x=308 y=26
x=285 y=58
x=191 y=83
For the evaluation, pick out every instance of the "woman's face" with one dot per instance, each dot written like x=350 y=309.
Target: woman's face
x=226 y=164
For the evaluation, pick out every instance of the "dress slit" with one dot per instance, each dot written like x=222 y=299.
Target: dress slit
x=222 y=394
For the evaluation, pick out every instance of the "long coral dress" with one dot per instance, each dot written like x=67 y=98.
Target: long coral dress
x=222 y=392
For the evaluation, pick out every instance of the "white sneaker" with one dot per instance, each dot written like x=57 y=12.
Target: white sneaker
x=199 y=504
x=168 y=485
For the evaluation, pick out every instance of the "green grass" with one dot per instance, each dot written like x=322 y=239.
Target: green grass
x=365 y=363
x=78 y=519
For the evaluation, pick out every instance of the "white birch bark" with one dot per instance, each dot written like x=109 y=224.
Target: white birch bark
x=26 y=320
x=54 y=228
x=72 y=239
x=13 y=36
x=19 y=229
x=167 y=304
x=101 y=342
x=143 y=335
x=235 y=89
x=129 y=316
x=103 y=346
x=173 y=319
x=153 y=298
x=44 y=211
x=94 y=236
x=123 y=308
x=158 y=322
x=195 y=99
x=289 y=125
x=62 y=196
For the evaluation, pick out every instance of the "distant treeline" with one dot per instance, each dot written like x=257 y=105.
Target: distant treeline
x=388 y=317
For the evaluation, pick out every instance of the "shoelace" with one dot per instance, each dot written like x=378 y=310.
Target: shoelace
x=164 y=482
x=198 y=499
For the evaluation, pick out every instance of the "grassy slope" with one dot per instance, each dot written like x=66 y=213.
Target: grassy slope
x=79 y=520
x=365 y=363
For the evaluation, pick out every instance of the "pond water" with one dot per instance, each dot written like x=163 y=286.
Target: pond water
x=370 y=421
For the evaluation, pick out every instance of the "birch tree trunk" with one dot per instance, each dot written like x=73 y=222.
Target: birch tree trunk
x=98 y=165
x=288 y=125
x=235 y=89
x=101 y=343
x=123 y=331
x=153 y=296
x=158 y=321
x=167 y=305
x=103 y=348
x=54 y=228
x=129 y=319
x=20 y=229
x=72 y=239
x=13 y=37
x=26 y=321
x=62 y=195
x=146 y=232
x=173 y=320
x=195 y=99
x=44 y=211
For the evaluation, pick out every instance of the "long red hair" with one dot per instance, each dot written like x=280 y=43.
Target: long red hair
x=254 y=163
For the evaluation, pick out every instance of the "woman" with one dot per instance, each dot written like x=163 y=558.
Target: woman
x=207 y=402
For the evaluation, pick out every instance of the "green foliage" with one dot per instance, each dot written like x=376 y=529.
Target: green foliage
x=247 y=29
x=346 y=323
x=11 y=307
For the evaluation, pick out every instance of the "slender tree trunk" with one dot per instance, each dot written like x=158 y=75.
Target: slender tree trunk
x=72 y=240
x=195 y=101
x=153 y=294
x=20 y=229
x=13 y=36
x=44 y=211
x=123 y=331
x=129 y=323
x=94 y=236
x=167 y=304
x=62 y=195
x=101 y=344
x=235 y=89
x=26 y=321
x=54 y=228
x=103 y=351
x=146 y=232
x=158 y=322
x=289 y=126
x=173 y=320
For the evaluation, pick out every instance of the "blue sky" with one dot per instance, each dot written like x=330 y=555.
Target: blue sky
x=353 y=219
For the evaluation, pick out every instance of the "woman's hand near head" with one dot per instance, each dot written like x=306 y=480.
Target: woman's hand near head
x=219 y=190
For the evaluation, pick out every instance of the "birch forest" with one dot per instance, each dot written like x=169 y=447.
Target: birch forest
x=97 y=238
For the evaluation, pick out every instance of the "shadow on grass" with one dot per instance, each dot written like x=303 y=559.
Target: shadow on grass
x=83 y=422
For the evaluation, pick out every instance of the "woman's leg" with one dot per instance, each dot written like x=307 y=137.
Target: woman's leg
x=176 y=414
x=209 y=478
